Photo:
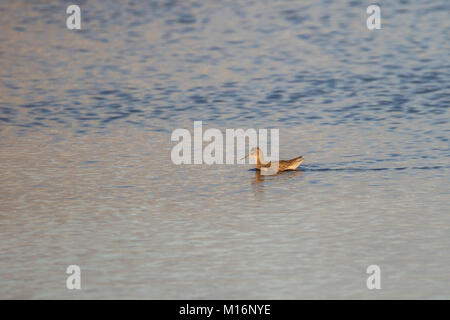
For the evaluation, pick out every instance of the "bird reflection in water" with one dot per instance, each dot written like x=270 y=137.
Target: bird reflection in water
x=258 y=180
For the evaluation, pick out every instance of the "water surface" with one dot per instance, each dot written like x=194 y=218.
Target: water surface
x=86 y=177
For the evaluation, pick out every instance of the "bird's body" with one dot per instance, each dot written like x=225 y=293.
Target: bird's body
x=273 y=166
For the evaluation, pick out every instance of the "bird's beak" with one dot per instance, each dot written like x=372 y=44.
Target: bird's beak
x=245 y=157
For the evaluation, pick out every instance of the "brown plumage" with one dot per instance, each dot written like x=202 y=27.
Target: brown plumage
x=283 y=165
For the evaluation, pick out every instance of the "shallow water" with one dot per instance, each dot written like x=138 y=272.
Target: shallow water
x=85 y=125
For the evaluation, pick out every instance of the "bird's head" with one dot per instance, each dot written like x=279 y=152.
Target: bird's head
x=254 y=153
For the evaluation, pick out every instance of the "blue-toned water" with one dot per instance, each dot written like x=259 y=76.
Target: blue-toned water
x=86 y=176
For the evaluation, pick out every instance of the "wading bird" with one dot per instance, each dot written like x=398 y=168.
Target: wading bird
x=272 y=167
